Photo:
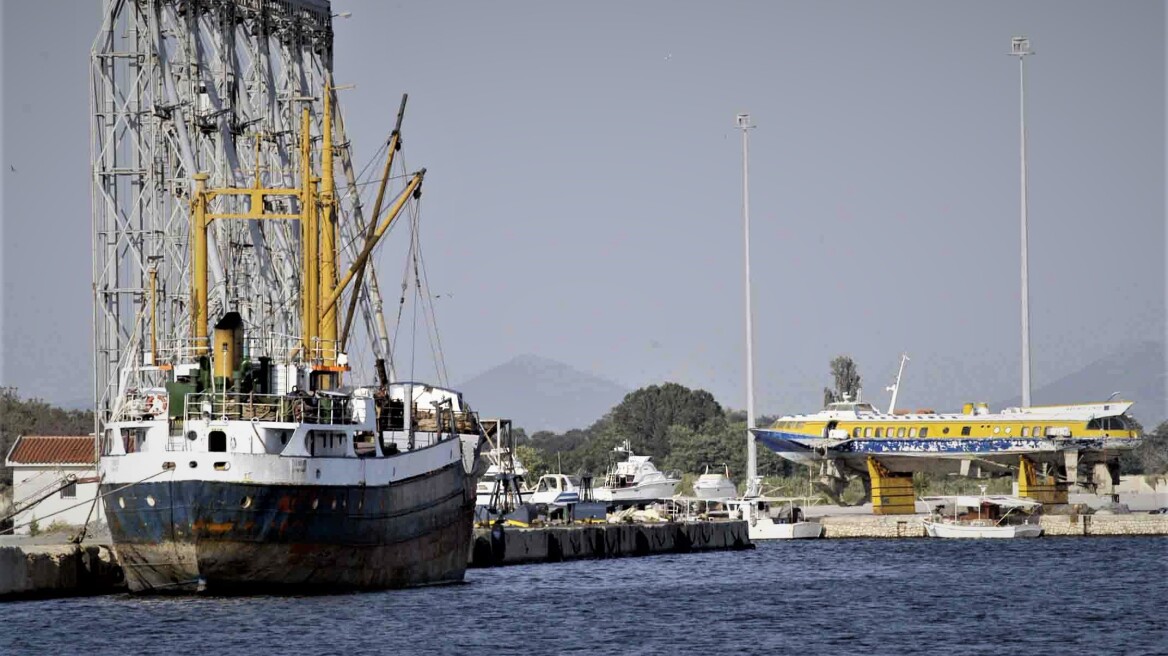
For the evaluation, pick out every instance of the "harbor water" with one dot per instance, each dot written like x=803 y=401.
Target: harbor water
x=1088 y=596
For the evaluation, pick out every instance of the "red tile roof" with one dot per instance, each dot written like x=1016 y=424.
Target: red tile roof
x=52 y=450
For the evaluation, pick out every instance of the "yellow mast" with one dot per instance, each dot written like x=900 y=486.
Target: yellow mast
x=153 y=315
x=328 y=234
x=199 y=264
x=308 y=238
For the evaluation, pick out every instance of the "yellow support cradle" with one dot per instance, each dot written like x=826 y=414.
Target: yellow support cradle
x=1043 y=488
x=892 y=493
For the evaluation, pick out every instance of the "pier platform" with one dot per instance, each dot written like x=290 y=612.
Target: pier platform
x=32 y=569
x=512 y=546
x=910 y=526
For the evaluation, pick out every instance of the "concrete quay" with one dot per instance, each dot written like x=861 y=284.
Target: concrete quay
x=33 y=571
x=512 y=546
x=910 y=526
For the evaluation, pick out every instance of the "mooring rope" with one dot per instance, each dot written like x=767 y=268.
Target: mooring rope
x=82 y=503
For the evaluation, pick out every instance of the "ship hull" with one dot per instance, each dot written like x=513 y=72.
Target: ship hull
x=934 y=455
x=230 y=537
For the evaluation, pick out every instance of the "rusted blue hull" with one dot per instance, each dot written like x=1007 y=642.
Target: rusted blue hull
x=231 y=538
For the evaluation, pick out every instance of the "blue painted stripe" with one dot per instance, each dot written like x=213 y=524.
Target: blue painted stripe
x=784 y=442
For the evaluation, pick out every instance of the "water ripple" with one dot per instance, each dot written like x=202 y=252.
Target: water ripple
x=867 y=597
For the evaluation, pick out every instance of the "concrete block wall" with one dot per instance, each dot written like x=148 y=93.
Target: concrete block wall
x=869 y=526
x=558 y=543
x=58 y=571
x=1130 y=524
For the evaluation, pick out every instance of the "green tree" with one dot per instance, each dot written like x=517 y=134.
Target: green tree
x=644 y=416
x=34 y=417
x=846 y=377
x=1150 y=458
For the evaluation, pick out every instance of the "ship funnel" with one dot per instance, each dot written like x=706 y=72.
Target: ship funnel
x=228 y=353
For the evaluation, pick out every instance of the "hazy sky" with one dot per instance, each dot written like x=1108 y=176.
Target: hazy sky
x=583 y=196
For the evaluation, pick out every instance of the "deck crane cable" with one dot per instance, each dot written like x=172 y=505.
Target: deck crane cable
x=440 y=356
x=80 y=534
x=367 y=232
x=420 y=294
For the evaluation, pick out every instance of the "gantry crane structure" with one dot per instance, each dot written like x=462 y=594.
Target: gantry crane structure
x=189 y=96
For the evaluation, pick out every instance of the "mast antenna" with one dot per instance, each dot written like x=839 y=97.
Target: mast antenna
x=752 y=483
x=1020 y=48
x=895 y=387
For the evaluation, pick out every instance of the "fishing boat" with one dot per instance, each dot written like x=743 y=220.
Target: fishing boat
x=773 y=518
x=238 y=459
x=993 y=516
x=635 y=480
x=715 y=486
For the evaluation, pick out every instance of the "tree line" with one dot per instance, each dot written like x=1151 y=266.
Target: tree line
x=681 y=428
x=34 y=417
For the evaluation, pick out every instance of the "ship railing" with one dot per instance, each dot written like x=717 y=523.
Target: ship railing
x=292 y=408
x=281 y=348
x=327 y=350
x=392 y=417
x=184 y=350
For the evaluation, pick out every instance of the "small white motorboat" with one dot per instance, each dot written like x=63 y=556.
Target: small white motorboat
x=715 y=486
x=768 y=519
x=635 y=481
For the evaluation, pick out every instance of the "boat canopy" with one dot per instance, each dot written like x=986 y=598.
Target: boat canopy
x=974 y=501
x=849 y=406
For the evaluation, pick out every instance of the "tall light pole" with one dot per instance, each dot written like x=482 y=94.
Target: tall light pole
x=744 y=124
x=1020 y=48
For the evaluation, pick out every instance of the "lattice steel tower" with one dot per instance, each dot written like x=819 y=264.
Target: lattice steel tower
x=181 y=87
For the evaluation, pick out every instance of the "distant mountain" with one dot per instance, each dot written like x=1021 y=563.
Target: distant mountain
x=541 y=394
x=1137 y=371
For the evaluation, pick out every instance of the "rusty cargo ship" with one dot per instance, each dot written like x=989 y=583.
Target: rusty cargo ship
x=236 y=455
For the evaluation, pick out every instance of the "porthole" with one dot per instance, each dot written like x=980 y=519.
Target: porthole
x=1008 y=429
x=997 y=429
x=192 y=435
x=334 y=506
x=150 y=501
x=121 y=503
x=194 y=464
x=246 y=503
x=945 y=430
x=315 y=503
x=167 y=465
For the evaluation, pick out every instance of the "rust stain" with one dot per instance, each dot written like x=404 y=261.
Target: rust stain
x=214 y=528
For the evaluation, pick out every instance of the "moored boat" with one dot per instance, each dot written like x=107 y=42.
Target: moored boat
x=236 y=456
x=715 y=485
x=291 y=492
x=772 y=518
x=635 y=480
x=995 y=516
